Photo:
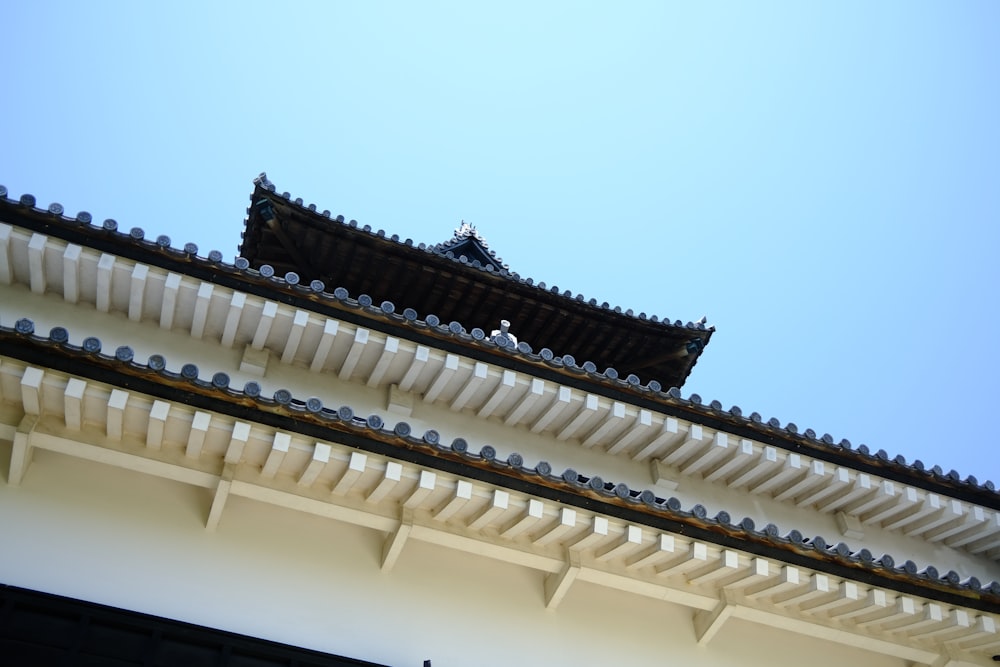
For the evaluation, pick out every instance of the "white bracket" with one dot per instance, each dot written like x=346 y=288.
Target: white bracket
x=558 y=583
x=393 y=545
x=20 y=454
x=254 y=362
x=708 y=623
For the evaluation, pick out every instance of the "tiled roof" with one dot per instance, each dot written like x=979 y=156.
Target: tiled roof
x=464 y=232
x=463 y=280
x=468 y=237
x=308 y=415
x=478 y=344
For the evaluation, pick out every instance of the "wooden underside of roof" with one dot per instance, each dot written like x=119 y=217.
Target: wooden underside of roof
x=317 y=248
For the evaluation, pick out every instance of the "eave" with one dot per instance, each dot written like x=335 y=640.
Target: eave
x=678 y=437
x=301 y=455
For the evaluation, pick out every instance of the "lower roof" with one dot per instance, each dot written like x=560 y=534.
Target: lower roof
x=309 y=417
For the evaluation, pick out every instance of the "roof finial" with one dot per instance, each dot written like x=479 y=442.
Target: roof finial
x=263 y=181
x=504 y=331
x=465 y=230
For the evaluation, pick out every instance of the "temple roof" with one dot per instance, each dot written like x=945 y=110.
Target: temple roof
x=186 y=259
x=468 y=243
x=967 y=511
x=463 y=280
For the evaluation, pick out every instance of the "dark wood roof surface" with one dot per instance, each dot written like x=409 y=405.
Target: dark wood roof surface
x=463 y=281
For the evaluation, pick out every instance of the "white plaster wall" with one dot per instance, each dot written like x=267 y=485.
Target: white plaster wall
x=85 y=530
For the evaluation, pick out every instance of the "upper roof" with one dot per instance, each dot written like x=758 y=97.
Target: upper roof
x=463 y=280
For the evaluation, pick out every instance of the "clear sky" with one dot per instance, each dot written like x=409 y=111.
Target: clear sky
x=822 y=180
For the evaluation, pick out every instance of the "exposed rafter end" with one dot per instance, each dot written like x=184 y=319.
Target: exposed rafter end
x=197 y=435
x=355 y=468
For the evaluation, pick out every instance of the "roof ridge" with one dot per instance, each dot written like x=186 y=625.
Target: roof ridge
x=467 y=233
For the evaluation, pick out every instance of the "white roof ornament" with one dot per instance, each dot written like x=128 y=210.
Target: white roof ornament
x=465 y=230
x=504 y=332
x=469 y=242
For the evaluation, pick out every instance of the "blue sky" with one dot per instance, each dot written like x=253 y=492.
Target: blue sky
x=822 y=180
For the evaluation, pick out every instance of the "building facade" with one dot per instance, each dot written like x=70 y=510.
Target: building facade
x=347 y=448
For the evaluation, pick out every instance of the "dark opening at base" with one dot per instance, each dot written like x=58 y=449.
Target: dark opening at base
x=39 y=629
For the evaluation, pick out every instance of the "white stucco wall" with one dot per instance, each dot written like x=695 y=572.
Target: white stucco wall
x=85 y=530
